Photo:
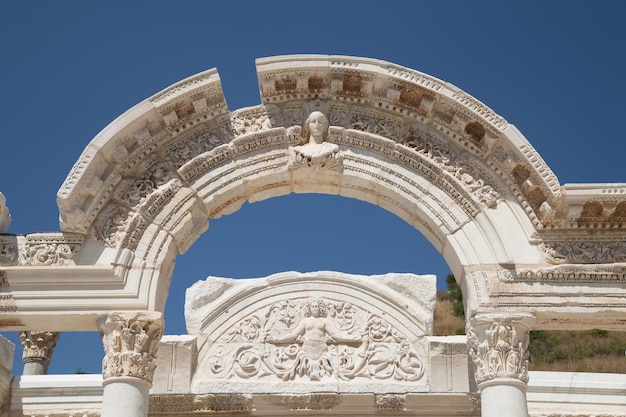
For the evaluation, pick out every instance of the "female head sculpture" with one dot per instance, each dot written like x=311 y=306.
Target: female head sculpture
x=315 y=128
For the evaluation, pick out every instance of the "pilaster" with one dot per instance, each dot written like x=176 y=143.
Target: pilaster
x=498 y=345
x=6 y=363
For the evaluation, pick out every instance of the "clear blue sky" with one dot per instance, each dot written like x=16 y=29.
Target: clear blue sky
x=67 y=69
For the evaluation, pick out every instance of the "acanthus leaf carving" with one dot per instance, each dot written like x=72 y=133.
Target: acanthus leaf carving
x=130 y=342
x=455 y=164
x=38 y=346
x=42 y=249
x=498 y=346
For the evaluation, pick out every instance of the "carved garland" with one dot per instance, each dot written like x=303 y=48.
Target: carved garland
x=314 y=340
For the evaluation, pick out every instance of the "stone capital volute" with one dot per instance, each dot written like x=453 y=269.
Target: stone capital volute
x=498 y=345
x=130 y=340
x=38 y=346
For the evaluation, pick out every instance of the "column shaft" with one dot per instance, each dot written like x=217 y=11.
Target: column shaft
x=130 y=342
x=38 y=348
x=498 y=346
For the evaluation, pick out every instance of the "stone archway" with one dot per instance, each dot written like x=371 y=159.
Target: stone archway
x=526 y=250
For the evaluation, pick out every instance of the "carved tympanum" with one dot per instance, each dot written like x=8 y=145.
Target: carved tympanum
x=313 y=340
x=130 y=344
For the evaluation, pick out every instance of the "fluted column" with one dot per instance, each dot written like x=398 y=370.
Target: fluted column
x=130 y=343
x=37 y=353
x=498 y=345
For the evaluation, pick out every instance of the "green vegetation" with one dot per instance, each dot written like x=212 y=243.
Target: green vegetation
x=593 y=350
x=455 y=295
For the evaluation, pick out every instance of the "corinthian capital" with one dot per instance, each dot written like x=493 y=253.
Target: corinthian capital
x=38 y=346
x=498 y=345
x=130 y=343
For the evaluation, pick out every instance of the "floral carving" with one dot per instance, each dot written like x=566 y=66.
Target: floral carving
x=130 y=344
x=110 y=224
x=498 y=346
x=314 y=340
x=38 y=346
x=577 y=252
x=40 y=249
x=50 y=253
x=192 y=145
x=249 y=124
x=456 y=165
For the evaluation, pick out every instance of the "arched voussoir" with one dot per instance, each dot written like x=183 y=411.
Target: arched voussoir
x=144 y=188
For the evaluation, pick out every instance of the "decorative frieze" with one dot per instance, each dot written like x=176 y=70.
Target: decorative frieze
x=191 y=101
x=254 y=119
x=577 y=274
x=585 y=252
x=452 y=162
x=40 y=249
x=43 y=249
x=191 y=144
x=130 y=344
x=199 y=403
x=390 y=403
x=498 y=345
x=304 y=402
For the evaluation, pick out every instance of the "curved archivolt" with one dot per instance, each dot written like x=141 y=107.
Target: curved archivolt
x=144 y=188
x=412 y=144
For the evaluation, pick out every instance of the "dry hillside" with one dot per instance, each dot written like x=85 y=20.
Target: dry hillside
x=565 y=351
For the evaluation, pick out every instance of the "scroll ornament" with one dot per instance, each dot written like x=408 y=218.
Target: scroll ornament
x=314 y=340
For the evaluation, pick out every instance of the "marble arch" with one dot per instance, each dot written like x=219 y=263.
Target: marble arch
x=144 y=188
x=527 y=251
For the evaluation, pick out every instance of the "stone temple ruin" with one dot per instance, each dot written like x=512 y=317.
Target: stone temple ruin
x=528 y=253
